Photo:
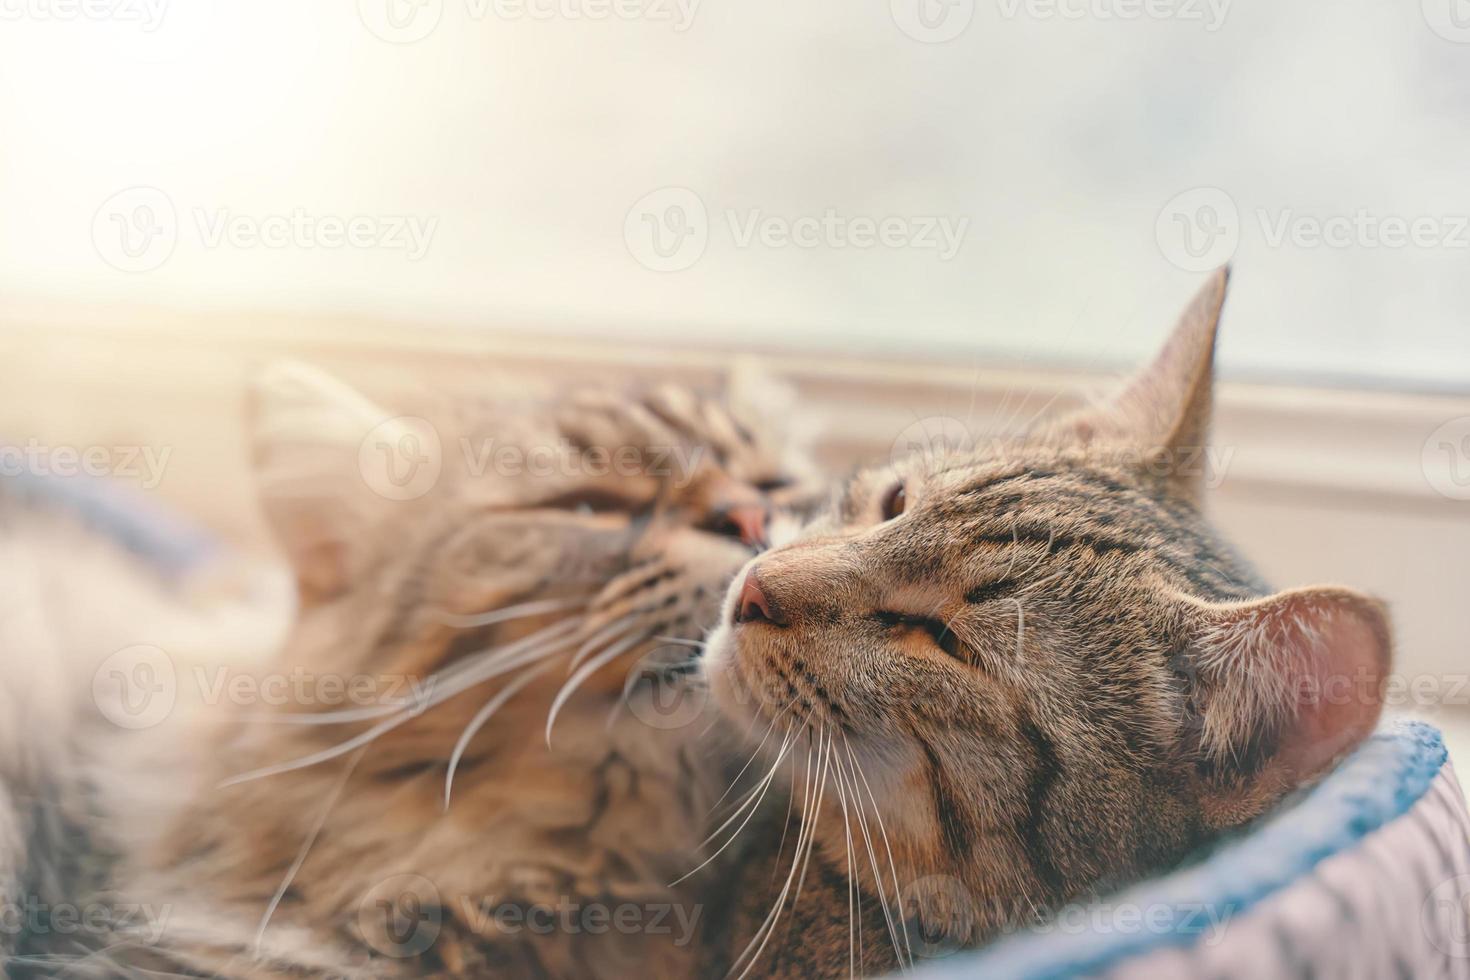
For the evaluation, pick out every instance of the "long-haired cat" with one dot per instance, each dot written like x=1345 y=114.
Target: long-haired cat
x=506 y=794
x=1004 y=679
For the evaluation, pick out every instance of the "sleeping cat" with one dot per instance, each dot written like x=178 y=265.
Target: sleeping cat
x=1003 y=680
x=997 y=682
x=520 y=625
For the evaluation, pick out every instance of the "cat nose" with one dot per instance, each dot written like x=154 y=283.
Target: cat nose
x=748 y=521
x=754 y=606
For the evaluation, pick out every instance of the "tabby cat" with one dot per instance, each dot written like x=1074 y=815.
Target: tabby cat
x=1005 y=679
x=996 y=681
x=512 y=799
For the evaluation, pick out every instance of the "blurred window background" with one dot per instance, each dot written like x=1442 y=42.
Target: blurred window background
x=993 y=178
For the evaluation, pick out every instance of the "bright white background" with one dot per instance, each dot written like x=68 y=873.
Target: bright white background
x=524 y=141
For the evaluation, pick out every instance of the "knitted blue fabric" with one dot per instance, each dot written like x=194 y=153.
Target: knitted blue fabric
x=1381 y=781
x=170 y=543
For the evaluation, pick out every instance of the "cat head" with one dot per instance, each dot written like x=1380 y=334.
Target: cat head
x=343 y=481
x=599 y=519
x=1036 y=663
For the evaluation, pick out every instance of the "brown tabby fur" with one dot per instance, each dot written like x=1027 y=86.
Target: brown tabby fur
x=360 y=848
x=1047 y=675
x=1043 y=675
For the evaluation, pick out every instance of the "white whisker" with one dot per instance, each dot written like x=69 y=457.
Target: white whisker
x=824 y=767
x=518 y=611
x=892 y=865
x=1020 y=628
x=754 y=754
x=316 y=830
x=433 y=683
x=481 y=717
x=616 y=628
x=754 y=809
x=500 y=666
x=757 y=943
x=851 y=873
x=587 y=670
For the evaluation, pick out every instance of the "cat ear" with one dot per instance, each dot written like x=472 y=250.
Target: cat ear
x=308 y=431
x=1287 y=683
x=1165 y=409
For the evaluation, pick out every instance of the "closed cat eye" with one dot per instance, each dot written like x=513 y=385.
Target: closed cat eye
x=594 y=501
x=937 y=629
x=894 y=502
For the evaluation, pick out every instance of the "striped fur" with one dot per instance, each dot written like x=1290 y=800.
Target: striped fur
x=1046 y=675
x=318 y=870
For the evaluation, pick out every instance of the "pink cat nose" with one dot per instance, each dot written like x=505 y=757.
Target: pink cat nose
x=749 y=522
x=754 y=606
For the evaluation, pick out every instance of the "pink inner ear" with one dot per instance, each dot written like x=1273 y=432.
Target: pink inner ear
x=1339 y=643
